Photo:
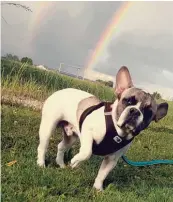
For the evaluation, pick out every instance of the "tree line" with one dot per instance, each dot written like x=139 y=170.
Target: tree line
x=155 y=95
x=9 y=56
x=106 y=83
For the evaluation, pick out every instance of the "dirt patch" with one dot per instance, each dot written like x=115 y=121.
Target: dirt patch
x=22 y=101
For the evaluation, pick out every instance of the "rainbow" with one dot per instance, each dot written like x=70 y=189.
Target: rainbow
x=107 y=35
x=39 y=15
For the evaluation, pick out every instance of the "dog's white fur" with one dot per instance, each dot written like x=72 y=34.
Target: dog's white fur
x=62 y=105
x=126 y=111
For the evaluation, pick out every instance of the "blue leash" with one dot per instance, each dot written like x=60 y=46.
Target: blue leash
x=146 y=163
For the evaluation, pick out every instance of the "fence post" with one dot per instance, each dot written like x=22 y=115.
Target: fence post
x=78 y=72
x=60 y=66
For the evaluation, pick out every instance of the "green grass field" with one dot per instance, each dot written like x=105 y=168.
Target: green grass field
x=22 y=80
x=25 y=181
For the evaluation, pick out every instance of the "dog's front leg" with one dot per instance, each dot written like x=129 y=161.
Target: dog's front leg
x=107 y=165
x=86 y=140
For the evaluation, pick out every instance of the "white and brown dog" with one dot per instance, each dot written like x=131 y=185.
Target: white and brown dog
x=132 y=112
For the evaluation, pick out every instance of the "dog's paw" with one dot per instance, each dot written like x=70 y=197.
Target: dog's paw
x=74 y=164
x=41 y=164
x=98 y=186
x=60 y=163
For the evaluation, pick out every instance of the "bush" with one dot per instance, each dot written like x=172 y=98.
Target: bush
x=27 y=60
x=9 y=56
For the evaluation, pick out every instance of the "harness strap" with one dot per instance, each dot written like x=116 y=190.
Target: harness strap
x=108 y=117
x=111 y=142
x=109 y=125
x=87 y=112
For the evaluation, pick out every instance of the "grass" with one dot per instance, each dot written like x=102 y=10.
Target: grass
x=27 y=81
x=24 y=181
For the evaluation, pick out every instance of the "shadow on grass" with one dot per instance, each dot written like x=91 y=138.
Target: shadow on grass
x=151 y=176
x=51 y=158
x=121 y=177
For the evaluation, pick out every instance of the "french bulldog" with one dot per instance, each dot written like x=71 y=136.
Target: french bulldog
x=132 y=111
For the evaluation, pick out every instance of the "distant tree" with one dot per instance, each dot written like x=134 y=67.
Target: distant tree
x=27 y=60
x=16 y=58
x=157 y=95
x=110 y=83
x=100 y=81
x=9 y=56
x=106 y=83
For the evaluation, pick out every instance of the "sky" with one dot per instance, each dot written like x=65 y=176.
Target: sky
x=67 y=32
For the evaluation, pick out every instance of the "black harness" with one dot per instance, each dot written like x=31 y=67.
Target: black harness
x=111 y=142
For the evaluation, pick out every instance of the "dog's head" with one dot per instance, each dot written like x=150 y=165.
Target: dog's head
x=136 y=108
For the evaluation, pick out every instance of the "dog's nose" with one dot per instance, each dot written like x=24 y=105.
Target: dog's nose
x=134 y=111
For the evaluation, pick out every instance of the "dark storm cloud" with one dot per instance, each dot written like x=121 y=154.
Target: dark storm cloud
x=144 y=61
x=64 y=39
x=71 y=30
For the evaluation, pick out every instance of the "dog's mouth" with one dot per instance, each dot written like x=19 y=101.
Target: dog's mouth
x=129 y=125
x=129 y=121
x=131 y=129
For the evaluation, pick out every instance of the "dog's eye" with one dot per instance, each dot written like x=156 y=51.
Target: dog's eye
x=129 y=101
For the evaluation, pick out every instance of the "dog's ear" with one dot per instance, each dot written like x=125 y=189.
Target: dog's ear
x=162 y=110
x=123 y=81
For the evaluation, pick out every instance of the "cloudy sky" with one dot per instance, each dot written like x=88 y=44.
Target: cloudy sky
x=67 y=32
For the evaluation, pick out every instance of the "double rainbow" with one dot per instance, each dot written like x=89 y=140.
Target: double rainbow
x=41 y=13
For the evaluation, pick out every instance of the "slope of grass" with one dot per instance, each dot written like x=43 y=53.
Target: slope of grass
x=24 y=181
x=23 y=80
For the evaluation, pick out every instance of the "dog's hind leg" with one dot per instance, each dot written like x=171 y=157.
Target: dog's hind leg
x=46 y=128
x=65 y=144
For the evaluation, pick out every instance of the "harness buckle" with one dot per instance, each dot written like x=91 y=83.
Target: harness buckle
x=117 y=139
x=108 y=113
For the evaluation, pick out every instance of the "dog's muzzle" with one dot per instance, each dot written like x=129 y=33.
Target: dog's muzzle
x=129 y=120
